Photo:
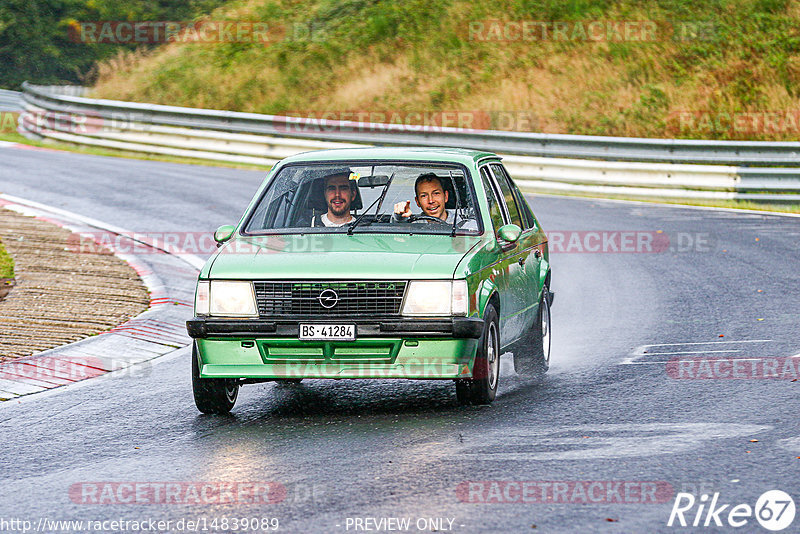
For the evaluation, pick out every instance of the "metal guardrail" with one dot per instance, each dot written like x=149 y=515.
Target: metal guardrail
x=629 y=166
x=10 y=100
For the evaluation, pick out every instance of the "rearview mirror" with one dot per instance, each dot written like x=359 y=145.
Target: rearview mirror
x=509 y=233
x=224 y=233
x=378 y=180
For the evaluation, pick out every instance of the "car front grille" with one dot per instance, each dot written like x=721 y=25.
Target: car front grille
x=368 y=298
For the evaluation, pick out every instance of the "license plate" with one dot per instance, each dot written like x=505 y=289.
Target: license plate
x=325 y=332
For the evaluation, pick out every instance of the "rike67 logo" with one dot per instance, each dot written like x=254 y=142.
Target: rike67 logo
x=774 y=510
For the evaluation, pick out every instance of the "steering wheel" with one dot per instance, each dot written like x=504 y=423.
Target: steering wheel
x=422 y=217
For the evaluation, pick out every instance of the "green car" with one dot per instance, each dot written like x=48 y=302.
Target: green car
x=416 y=263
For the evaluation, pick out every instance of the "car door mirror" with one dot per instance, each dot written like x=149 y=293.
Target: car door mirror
x=224 y=233
x=509 y=233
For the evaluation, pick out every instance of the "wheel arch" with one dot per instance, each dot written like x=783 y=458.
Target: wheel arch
x=487 y=293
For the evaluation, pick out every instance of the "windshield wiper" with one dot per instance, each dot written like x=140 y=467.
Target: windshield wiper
x=378 y=201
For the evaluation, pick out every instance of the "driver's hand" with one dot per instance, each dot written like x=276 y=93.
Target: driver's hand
x=403 y=209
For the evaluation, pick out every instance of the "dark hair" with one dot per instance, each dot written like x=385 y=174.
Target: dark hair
x=340 y=172
x=428 y=177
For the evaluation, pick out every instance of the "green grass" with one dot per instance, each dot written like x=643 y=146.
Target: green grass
x=708 y=65
x=6 y=263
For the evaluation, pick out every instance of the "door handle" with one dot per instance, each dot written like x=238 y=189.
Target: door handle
x=537 y=253
x=521 y=261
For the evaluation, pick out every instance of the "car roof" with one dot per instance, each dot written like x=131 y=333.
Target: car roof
x=455 y=155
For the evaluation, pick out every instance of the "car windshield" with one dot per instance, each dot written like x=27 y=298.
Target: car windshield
x=358 y=197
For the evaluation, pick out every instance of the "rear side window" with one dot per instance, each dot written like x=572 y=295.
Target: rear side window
x=527 y=214
x=524 y=209
x=494 y=206
x=508 y=194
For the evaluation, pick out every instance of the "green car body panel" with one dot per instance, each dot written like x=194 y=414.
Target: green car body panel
x=512 y=279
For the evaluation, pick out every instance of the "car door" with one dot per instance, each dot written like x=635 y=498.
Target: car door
x=523 y=260
x=540 y=267
x=506 y=270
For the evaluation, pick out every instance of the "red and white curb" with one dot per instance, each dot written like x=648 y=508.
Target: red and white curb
x=158 y=331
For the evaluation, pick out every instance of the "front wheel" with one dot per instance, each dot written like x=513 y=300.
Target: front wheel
x=482 y=387
x=212 y=395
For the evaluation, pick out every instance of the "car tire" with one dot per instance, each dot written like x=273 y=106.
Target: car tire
x=482 y=387
x=532 y=353
x=212 y=395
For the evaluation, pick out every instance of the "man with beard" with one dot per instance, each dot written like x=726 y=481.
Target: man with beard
x=339 y=194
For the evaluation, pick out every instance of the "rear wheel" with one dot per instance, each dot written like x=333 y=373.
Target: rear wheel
x=212 y=395
x=532 y=353
x=482 y=387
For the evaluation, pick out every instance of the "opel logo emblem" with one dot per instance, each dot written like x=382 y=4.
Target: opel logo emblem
x=328 y=298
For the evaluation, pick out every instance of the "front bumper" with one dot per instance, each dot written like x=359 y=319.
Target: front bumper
x=456 y=327
x=416 y=349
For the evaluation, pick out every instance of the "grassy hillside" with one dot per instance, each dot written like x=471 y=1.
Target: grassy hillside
x=36 y=43
x=716 y=69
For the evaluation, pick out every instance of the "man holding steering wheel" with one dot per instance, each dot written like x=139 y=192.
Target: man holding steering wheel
x=431 y=197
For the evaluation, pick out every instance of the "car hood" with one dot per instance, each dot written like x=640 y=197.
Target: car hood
x=359 y=256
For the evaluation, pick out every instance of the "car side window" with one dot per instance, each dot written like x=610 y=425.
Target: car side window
x=525 y=210
x=508 y=195
x=494 y=206
x=527 y=214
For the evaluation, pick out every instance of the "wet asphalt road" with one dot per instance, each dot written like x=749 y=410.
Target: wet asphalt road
x=336 y=451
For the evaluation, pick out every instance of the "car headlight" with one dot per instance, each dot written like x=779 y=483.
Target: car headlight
x=436 y=298
x=225 y=298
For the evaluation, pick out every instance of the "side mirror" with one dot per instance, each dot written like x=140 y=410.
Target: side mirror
x=509 y=233
x=224 y=233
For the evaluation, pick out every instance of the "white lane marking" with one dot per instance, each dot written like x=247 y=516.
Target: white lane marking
x=642 y=351
x=663 y=362
x=688 y=352
x=195 y=261
x=590 y=442
x=708 y=342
